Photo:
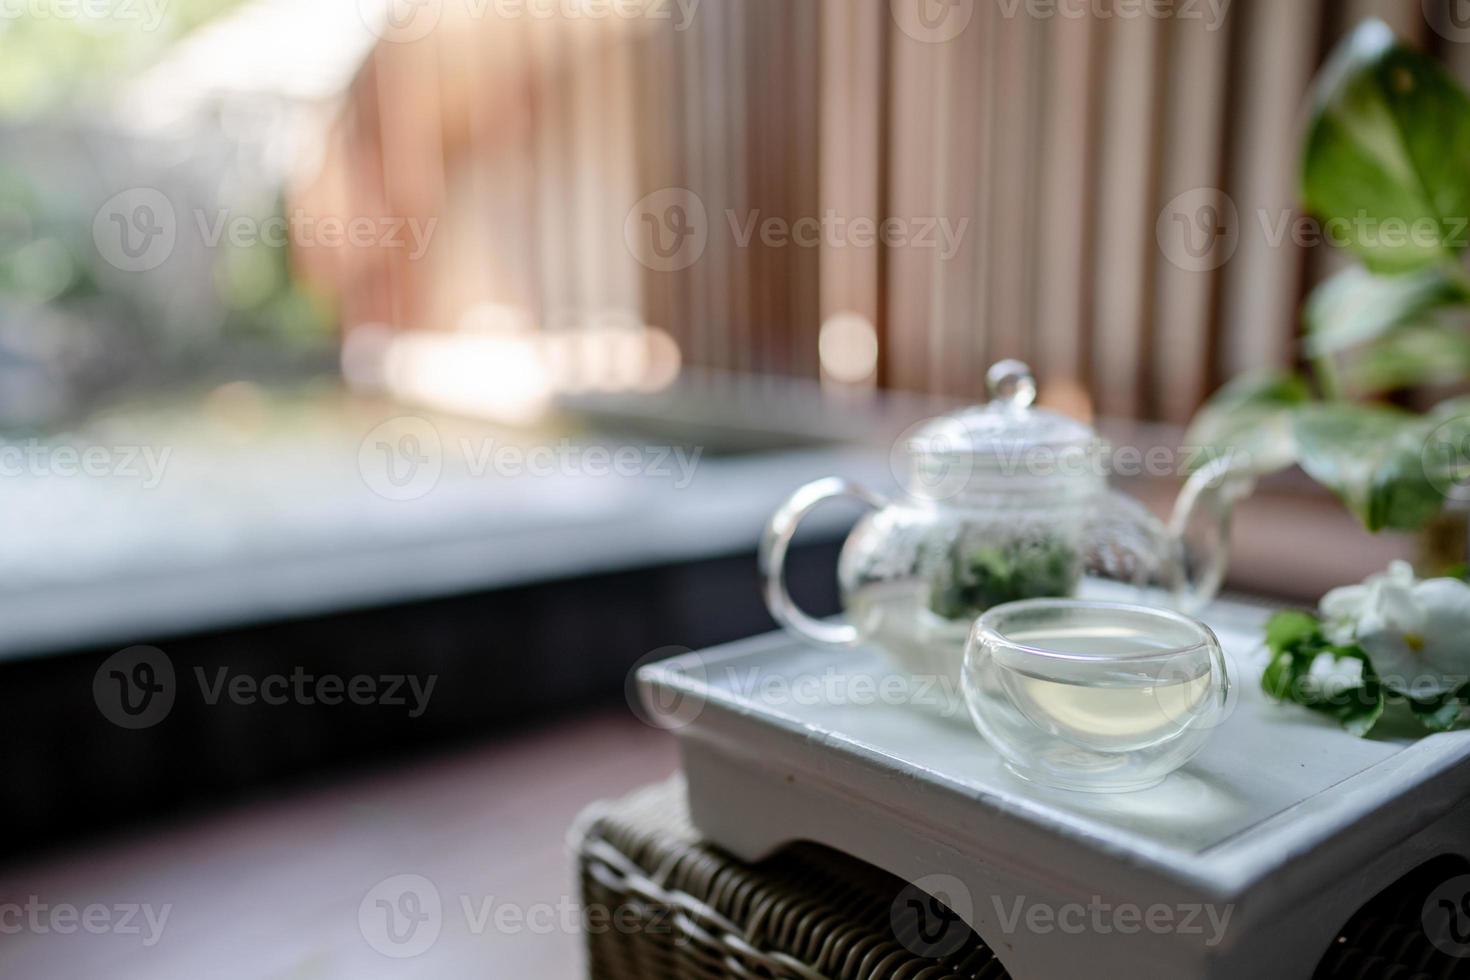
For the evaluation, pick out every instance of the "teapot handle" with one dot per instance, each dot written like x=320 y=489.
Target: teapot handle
x=777 y=540
x=1217 y=487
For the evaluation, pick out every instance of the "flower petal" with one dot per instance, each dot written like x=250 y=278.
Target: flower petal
x=1445 y=605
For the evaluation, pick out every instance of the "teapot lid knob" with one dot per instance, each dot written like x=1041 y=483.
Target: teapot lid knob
x=1011 y=384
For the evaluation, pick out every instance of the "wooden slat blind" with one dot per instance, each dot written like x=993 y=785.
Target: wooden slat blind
x=1060 y=142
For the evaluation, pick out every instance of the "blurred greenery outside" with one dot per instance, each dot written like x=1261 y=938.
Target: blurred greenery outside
x=52 y=59
x=65 y=316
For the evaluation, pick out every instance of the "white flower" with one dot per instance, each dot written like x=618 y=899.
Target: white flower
x=1418 y=636
x=1342 y=608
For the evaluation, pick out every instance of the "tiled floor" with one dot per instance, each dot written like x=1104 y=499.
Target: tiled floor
x=280 y=890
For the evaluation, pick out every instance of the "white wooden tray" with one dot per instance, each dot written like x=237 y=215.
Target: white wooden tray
x=1284 y=822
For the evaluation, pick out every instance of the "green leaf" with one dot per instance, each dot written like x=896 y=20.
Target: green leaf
x=1356 y=307
x=1439 y=715
x=1362 y=709
x=1451 y=409
x=1435 y=353
x=1295 y=640
x=1250 y=419
x=1373 y=459
x=1288 y=631
x=1444 y=448
x=1388 y=153
x=1280 y=679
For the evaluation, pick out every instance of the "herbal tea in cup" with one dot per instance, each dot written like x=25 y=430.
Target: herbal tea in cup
x=1094 y=696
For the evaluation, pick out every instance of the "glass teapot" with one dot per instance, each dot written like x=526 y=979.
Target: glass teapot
x=1002 y=502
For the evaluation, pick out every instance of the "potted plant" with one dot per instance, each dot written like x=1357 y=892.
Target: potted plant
x=1386 y=170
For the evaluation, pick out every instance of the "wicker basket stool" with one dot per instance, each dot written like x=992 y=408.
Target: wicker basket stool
x=671 y=907
x=682 y=909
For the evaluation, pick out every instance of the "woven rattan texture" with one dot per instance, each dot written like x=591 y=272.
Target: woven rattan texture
x=1387 y=939
x=679 y=909
x=682 y=909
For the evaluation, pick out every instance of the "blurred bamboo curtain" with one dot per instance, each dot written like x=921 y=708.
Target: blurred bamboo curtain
x=1076 y=152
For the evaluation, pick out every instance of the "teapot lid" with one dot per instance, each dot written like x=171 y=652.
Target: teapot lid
x=1005 y=444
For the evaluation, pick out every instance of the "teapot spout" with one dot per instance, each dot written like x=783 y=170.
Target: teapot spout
x=1200 y=530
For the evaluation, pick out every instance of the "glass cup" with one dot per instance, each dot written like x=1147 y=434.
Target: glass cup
x=1094 y=696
